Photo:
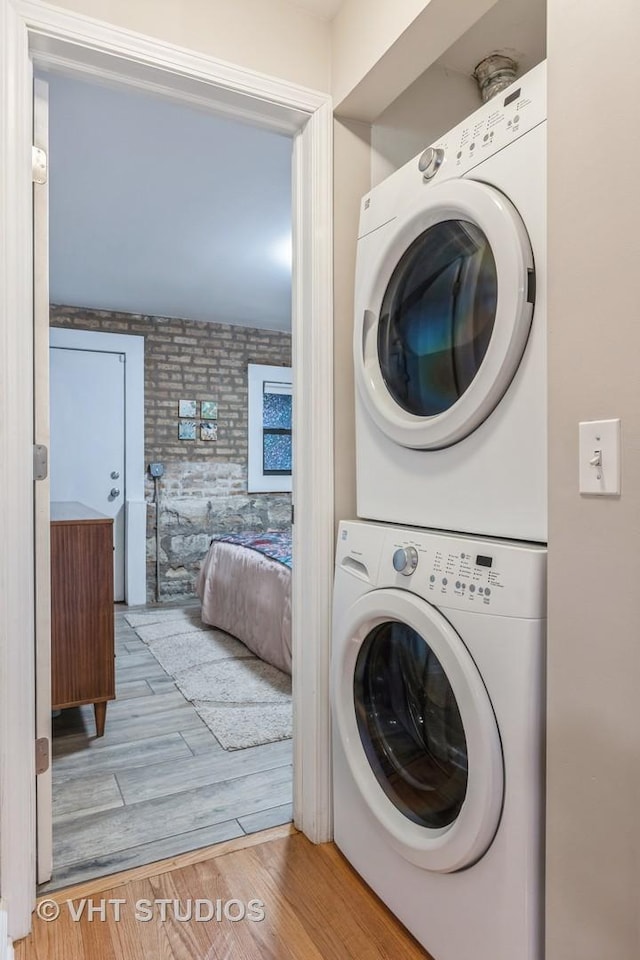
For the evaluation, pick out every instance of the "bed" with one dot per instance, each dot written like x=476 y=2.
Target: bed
x=245 y=588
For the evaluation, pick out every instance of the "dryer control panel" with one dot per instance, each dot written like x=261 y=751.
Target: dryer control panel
x=507 y=117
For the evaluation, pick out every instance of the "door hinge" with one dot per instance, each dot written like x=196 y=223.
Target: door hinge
x=38 y=165
x=42 y=755
x=40 y=461
x=292 y=514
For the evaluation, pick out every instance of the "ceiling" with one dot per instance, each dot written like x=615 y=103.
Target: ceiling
x=162 y=209
x=159 y=208
x=326 y=9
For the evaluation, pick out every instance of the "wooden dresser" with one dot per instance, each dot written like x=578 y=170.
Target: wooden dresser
x=82 y=632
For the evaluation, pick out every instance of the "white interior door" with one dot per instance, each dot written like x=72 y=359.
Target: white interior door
x=88 y=437
x=42 y=571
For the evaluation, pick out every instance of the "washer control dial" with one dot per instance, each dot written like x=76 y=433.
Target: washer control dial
x=430 y=162
x=405 y=560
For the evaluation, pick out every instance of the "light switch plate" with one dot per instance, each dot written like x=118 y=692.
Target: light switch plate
x=599 y=457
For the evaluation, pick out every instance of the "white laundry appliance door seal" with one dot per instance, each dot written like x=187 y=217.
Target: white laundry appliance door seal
x=469 y=317
x=460 y=843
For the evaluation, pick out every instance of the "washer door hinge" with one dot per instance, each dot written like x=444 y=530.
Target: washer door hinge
x=38 y=165
x=42 y=755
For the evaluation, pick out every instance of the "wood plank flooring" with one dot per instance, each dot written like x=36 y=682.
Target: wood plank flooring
x=158 y=783
x=315 y=908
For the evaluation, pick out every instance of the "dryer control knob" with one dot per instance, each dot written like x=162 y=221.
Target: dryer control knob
x=430 y=162
x=405 y=561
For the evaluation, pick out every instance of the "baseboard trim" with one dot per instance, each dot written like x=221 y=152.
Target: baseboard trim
x=100 y=884
x=6 y=947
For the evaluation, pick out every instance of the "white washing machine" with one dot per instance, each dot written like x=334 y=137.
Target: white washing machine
x=438 y=746
x=450 y=328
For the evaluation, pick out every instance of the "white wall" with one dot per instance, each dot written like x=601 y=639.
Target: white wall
x=362 y=32
x=275 y=37
x=593 y=840
x=434 y=103
x=379 y=48
x=352 y=163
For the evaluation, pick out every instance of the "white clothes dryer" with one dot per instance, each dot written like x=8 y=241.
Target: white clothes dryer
x=438 y=747
x=450 y=328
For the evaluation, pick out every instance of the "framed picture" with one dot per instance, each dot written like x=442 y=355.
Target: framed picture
x=187 y=430
x=209 y=431
x=270 y=428
x=188 y=408
x=209 y=409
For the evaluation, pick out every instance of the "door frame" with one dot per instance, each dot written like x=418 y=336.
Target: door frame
x=135 y=518
x=31 y=30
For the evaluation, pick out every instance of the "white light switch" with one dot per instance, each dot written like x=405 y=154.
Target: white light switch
x=599 y=455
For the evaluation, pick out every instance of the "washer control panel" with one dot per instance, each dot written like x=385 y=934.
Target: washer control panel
x=466 y=573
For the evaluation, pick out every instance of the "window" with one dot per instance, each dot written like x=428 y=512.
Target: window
x=270 y=411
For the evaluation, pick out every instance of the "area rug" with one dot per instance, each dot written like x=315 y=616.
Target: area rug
x=243 y=700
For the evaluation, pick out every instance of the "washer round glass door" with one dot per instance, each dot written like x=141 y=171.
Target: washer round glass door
x=443 y=315
x=418 y=730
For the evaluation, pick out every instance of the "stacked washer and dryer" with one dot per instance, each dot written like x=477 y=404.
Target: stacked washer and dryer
x=440 y=592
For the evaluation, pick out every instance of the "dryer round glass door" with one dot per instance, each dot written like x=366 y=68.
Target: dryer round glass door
x=443 y=315
x=418 y=730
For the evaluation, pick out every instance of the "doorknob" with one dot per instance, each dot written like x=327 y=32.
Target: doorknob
x=115 y=475
x=114 y=493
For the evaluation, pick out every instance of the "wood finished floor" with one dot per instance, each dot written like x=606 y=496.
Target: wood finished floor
x=158 y=783
x=316 y=908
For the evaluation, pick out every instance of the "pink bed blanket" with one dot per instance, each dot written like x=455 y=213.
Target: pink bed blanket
x=248 y=595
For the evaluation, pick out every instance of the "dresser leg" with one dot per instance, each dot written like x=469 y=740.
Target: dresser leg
x=100 y=711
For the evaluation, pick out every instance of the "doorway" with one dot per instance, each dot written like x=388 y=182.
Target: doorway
x=82 y=43
x=165 y=254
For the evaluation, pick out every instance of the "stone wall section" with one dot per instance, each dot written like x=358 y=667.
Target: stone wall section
x=204 y=488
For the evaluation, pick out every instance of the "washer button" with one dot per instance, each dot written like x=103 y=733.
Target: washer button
x=444 y=581
x=472 y=588
x=487 y=592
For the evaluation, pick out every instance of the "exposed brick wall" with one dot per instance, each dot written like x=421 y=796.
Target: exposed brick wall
x=205 y=486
